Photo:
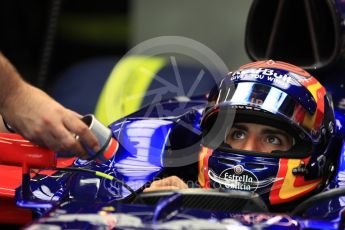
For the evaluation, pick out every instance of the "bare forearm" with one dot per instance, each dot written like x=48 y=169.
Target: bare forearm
x=39 y=118
x=10 y=82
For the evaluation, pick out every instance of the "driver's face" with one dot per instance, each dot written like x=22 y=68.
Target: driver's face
x=259 y=138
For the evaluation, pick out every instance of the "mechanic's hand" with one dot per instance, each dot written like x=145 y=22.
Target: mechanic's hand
x=42 y=120
x=169 y=183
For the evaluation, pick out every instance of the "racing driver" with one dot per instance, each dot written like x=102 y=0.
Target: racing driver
x=280 y=142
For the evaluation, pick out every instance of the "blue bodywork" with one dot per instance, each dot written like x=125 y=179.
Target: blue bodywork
x=151 y=146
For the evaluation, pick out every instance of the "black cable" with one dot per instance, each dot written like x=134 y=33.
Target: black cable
x=48 y=43
x=100 y=174
x=318 y=197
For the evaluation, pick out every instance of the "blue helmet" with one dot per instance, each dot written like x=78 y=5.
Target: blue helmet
x=274 y=94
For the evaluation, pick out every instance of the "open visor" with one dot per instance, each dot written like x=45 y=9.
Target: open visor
x=263 y=104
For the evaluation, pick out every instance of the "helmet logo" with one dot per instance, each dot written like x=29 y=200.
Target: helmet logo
x=237 y=178
x=238 y=169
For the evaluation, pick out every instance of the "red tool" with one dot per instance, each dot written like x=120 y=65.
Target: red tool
x=17 y=151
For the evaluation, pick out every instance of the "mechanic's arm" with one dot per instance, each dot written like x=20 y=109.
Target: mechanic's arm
x=172 y=182
x=38 y=117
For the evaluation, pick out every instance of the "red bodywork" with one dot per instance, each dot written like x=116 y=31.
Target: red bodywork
x=17 y=156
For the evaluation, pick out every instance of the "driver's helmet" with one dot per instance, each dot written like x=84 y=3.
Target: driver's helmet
x=274 y=94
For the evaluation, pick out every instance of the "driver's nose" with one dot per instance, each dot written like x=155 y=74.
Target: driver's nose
x=252 y=144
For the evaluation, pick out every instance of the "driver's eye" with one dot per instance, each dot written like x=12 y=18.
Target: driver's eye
x=238 y=135
x=273 y=140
